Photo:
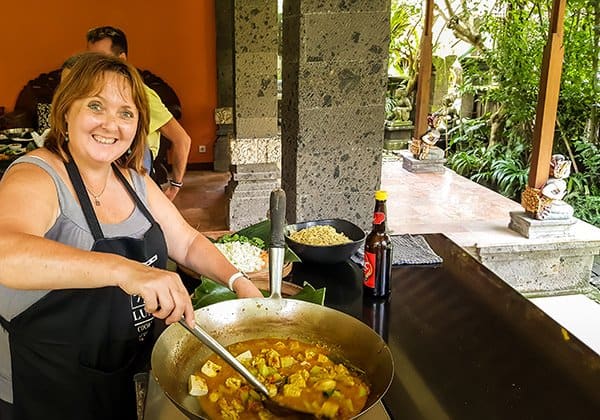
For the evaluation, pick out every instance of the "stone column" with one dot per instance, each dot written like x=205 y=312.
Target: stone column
x=256 y=145
x=225 y=91
x=334 y=81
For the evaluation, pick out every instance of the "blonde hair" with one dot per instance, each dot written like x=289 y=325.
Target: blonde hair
x=84 y=80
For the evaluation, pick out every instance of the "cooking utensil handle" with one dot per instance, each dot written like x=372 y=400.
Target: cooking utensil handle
x=215 y=346
x=277 y=245
x=277 y=215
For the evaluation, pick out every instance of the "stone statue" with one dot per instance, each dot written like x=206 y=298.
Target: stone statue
x=447 y=113
x=421 y=147
x=546 y=203
x=402 y=108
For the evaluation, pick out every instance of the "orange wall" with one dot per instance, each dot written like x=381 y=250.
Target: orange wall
x=174 y=39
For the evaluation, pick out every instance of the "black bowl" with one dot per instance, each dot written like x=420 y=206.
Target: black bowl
x=327 y=254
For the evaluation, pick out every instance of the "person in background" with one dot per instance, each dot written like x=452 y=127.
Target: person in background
x=110 y=40
x=85 y=235
x=68 y=65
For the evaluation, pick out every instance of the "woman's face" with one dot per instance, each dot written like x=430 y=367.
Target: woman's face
x=102 y=127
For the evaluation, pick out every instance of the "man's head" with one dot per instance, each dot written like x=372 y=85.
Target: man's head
x=107 y=40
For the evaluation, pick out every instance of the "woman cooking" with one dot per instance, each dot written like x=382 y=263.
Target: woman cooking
x=84 y=239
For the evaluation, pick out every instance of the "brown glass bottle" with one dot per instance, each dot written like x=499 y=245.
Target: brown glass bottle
x=378 y=253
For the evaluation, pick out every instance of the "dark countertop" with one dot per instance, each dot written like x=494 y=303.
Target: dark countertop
x=465 y=344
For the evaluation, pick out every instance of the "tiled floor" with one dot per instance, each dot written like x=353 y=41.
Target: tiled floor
x=417 y=203
x=441 y=202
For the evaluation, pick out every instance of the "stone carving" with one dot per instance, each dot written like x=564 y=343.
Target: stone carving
x=402 y=108
x=546 y=203
x=421 y=147
x=447 y=113
x=224 y=115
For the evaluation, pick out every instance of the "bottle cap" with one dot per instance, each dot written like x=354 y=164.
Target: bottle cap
x=381 y=195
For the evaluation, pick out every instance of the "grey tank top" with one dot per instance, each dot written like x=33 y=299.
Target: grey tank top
x=70 y=228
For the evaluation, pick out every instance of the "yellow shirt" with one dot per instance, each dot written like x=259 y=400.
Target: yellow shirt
x=159 y=116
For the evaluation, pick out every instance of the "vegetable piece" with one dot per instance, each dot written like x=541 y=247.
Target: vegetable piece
x=273 y=359
x=316 y=370
x=329 y=409
x=233 y=383
x=309 y=354
x=362 y=391
x=297 y=379
x=321 y=358
x=287 y=361
x=214 y=397
x=272 y=390
x=326 y=385
x=197 y=386
x=292 y=390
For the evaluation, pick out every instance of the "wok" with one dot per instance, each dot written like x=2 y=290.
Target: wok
x=177 y=354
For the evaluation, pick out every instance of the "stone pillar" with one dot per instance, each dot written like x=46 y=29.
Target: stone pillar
x=255 y=147
x=225 y=92
x=334 y=82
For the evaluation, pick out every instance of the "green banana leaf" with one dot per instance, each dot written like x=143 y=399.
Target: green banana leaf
x=262 y=231
x=209 y=292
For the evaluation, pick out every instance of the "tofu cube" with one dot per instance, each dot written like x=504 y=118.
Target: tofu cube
x=197 y=386
x=210 y=369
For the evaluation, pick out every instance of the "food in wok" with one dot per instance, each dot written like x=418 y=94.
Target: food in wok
x=322 y=235
x=297 y=374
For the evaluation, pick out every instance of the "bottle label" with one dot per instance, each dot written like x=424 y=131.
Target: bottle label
x=378 y=217
x=369 y=270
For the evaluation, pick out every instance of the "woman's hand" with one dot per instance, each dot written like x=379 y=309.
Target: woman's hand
x=244 y=288
x=163 y=292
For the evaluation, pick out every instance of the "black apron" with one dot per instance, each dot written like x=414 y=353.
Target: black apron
x=74 y=352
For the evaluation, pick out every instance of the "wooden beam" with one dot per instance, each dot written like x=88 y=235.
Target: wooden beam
x=545 y=119
x=424 y=76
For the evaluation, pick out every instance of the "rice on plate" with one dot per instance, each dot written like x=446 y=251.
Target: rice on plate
x=244 y=256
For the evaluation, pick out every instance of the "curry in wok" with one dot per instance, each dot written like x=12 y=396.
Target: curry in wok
x=297 y=375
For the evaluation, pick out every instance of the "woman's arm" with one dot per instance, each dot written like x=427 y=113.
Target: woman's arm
x=192 y=249
x=28 y=209
x=181 y=149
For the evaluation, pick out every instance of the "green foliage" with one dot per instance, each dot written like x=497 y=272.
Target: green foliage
x=404 y=38
x=584 y=187
x=587 y=181
x=497 y=167
x=587 y=207
x=508 y=74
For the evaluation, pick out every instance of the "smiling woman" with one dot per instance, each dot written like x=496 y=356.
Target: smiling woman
x=85 y=236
